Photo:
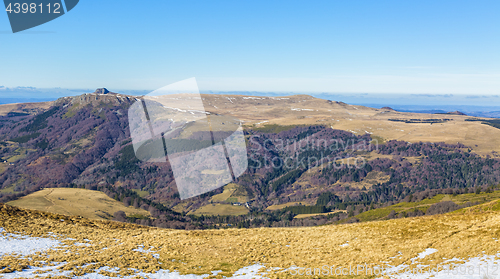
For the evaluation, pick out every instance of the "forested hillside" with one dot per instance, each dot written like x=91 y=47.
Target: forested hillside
x=84 y=142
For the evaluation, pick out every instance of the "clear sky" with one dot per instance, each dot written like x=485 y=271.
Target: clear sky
x=428 y=47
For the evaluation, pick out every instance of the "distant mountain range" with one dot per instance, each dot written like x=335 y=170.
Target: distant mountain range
x=486 y=114
x=478 y=111
x=473 y=105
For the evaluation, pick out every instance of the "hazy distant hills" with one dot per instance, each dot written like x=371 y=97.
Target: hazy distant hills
x=473 y=105
x=478 y=111
x=24 y=100
x=486 y=114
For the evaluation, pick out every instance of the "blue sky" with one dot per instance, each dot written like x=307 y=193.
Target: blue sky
x=414 y=47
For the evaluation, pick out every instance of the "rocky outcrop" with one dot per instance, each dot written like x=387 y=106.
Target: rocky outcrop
x=101 y=91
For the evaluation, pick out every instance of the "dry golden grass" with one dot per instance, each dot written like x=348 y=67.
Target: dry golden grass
x=283 y=205
x=3 y=167
x=371 y=179
x=31 y=108
x=219 y=204
x=180 y=207
x=301 y=216
x=230 y=194
x=307 y=110
x=221 y=209
x=306 y=181
x=79 y=202
x=455 y=235
x=372 y=155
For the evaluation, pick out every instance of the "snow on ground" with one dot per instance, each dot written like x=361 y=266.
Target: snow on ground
x=484 y=267
x=248 y=272
x=426 y=253
x=24 y=245
x=243 y=273
x=254 y=98
x=16 y=244
x=150 y=251
x=480 y=267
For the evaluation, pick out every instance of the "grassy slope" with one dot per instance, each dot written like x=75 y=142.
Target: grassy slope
x=79 y=202
x=423 y=205
x=24 y=107
x=283 y=112
x=283 y=205
x=221 y=209
x=18 y=154
x=301 y=216
x=233 y=193
x=457 y=235
x=141 y=193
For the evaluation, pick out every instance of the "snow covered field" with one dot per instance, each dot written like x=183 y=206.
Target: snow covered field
x=481 y=267
x=24 y=246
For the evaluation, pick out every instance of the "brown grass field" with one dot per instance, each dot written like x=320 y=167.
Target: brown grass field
x=283 y=205
x=78 y=202
x=455 y=235
x=221 y=209
x=302 y=216
x=232 y=193
x=306 y=110
x=30 y=108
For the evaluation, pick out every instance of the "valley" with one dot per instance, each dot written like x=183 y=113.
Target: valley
x=327 y=184
x=357 y=156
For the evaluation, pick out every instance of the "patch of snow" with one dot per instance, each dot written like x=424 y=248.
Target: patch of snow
x=24 y=245
x=345 y=244
x=248 y=272
x=486 y=266
x=82 y=244
x=427 y=252
x=149 y=251
x=32 y=272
